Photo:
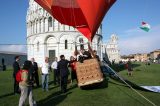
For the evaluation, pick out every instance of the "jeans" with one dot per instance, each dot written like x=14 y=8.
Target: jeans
x=26 y=92
x=45 y=79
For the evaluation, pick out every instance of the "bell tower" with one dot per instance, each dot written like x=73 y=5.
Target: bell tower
x=114 y=39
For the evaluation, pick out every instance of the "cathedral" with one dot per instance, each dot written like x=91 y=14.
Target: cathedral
x=46 y=37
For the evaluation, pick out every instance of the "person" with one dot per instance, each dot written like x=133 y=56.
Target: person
x=35 y=71
x=129 y=67
x=96 y=56
x=26 y=86
x=55 y=71
x=3 y=65
x=87 y=54
x=45 y=74
x=84 y=55
x=113 y=62
x=63 y=68
x=16 y=68
x=72 y=64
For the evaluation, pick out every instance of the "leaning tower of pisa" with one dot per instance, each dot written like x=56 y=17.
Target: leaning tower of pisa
x=46 y=37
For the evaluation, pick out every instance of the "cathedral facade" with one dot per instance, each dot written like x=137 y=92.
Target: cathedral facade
x=46 y=37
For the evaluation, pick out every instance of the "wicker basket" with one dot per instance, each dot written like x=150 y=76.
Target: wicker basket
x=88 y=72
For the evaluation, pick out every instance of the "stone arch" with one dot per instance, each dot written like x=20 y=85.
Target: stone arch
x=50 y=36
x=37 y=42
x=50 y=40
x=41 y=22
x=33 y=27
x=36 y=39
x=36 y=26
x=51 y=47
x=50 y=21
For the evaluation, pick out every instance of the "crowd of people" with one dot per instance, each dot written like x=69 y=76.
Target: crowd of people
x=30 y=74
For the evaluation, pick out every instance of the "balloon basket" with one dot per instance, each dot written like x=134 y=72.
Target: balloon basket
x=89 y=73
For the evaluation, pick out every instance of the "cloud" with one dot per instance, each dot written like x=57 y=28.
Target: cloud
x=138 y=41
x=14 y=48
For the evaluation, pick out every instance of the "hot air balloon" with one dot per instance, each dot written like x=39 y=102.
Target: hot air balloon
x=84 y=15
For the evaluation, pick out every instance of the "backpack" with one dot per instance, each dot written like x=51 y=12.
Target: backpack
x=19 y=74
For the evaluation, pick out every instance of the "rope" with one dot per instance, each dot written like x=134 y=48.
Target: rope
x=131 y=87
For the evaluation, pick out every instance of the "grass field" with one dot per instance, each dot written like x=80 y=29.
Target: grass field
x=111 y=94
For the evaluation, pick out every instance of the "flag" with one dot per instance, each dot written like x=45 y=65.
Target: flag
x=146 y=27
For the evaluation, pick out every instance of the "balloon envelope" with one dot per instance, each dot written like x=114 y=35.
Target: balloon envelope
x=85 y=15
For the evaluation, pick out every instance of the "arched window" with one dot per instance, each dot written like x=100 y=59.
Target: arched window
x=36 y=27
x=31 y=28
x=81 y=43
x=66 y=44
x=50 y=21
x=40 y=25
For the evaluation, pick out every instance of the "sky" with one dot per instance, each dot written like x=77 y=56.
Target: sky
x=123 y=19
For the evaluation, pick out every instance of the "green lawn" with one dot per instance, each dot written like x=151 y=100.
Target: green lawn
x=112 y=95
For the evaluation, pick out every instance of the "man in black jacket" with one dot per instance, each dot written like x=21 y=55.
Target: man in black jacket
x=16 y=68
x=63 y=68
x=34 y=68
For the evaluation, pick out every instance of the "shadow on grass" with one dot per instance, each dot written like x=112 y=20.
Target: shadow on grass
x=40 y=86
x=56 y=86
x=101 y=85
x=53 y=99
x=6 y=95
x=73 y=86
